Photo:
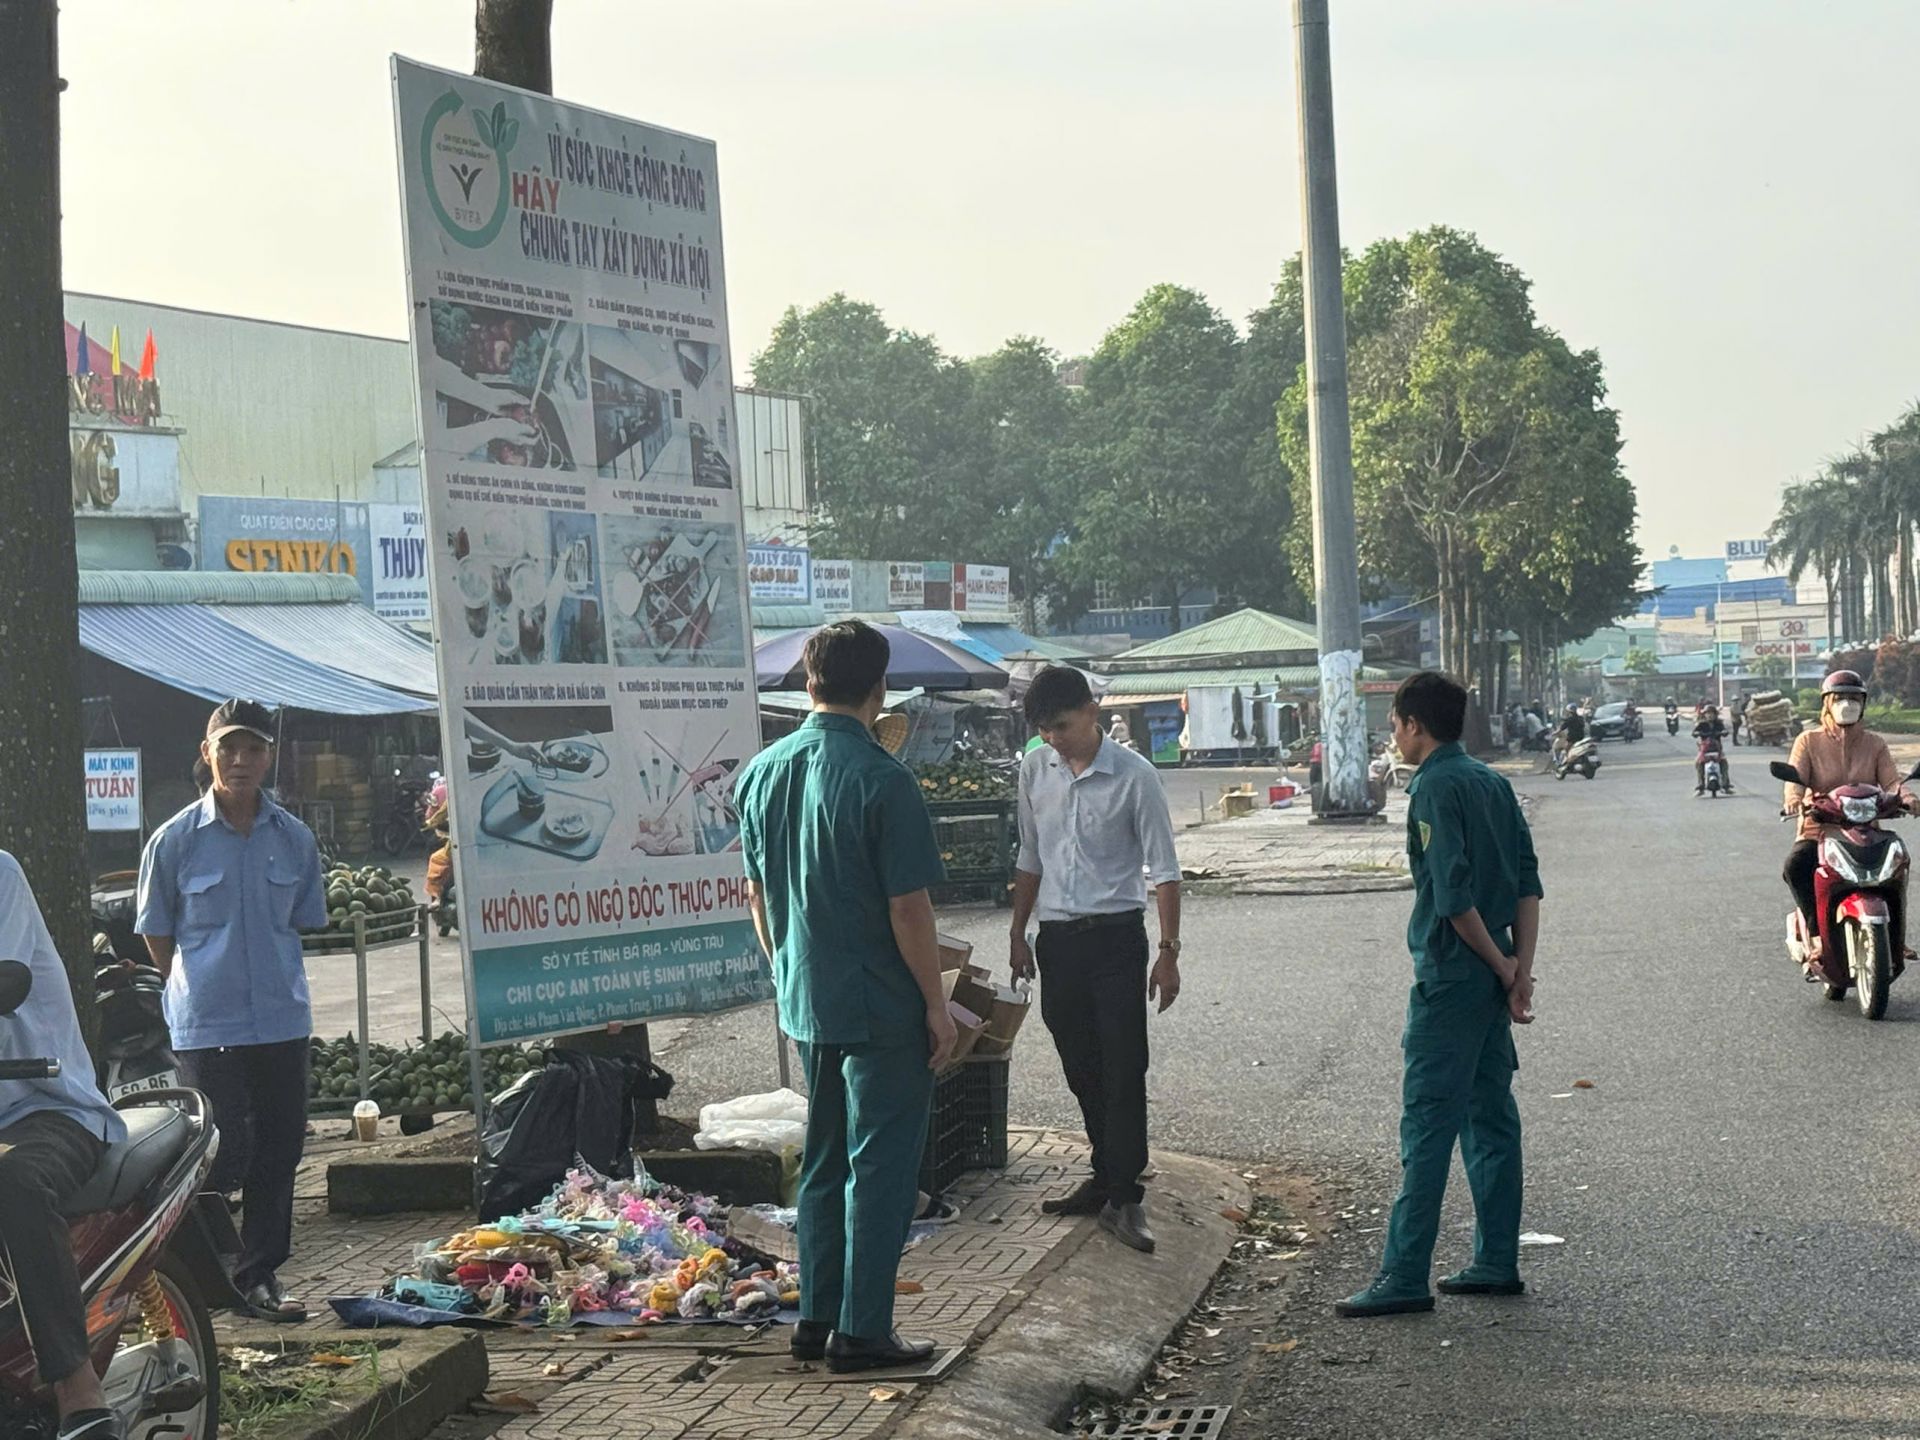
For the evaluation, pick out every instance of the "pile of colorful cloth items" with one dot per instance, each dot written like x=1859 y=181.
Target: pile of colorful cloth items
x=600 y=1251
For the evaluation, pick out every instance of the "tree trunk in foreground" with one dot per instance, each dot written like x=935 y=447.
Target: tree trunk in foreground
x=43 y=816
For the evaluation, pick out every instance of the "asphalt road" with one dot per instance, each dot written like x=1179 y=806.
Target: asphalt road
x=1737 y=1192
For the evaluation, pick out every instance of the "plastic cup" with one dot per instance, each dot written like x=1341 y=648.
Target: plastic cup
x=366 y=1120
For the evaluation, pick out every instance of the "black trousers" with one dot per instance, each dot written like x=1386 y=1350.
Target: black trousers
x=1803 y=859
x=259 y=1099
x=1093 y=998
x=49 y=1157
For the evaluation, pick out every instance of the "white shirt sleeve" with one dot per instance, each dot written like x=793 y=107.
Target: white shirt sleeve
x=1029 y=861
x=1153 y=822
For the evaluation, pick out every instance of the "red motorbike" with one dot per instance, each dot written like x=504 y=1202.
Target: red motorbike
x=148 y=1245
x=1860 y=867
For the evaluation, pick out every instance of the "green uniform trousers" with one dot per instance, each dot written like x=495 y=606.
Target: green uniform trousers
x=1458 y=1086
x=859 y=1179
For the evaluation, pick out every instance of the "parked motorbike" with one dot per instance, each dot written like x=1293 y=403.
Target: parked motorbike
x=113 y=903
x=1583 y=755
x=406 y=819
x=135 y=1051
x=1673 y=720
x=1713 y=772
x=148 y=1246
x=1860 y=867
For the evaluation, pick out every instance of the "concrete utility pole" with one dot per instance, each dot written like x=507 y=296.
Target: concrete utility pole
x=1336 y=568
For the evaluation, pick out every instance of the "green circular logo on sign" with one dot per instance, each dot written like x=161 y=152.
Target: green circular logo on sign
x=463 y=159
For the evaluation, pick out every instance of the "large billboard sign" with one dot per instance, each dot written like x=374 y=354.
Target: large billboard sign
x=586 y=551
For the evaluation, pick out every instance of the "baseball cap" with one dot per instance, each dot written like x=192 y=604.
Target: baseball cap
x=248 y=715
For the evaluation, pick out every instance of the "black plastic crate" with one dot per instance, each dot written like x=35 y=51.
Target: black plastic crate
x=945 y=1157
x=985 y=1113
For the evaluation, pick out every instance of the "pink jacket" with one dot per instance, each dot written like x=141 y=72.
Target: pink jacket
x=1846 y=755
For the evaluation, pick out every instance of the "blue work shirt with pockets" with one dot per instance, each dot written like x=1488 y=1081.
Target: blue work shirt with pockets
x=235 y=906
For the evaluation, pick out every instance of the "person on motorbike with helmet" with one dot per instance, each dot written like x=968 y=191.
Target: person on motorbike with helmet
x=1711 y=732
x=1839 y=751
x=53 y=1133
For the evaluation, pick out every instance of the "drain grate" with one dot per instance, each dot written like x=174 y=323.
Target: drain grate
x=1163 y=1422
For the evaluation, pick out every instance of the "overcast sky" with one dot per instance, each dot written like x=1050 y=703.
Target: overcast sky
x=1718 y=195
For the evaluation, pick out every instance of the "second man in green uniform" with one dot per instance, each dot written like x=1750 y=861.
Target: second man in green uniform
x=1476 y=916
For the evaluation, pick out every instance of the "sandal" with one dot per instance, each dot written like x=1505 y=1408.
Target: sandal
x=267 y=1301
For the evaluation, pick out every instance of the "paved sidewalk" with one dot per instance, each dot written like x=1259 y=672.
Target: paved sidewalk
x=993 y=1265
x=1278 y=852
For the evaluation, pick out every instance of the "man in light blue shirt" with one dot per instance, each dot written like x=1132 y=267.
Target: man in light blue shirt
x=226 y=887
x=52 y=1135
x=1094 y=833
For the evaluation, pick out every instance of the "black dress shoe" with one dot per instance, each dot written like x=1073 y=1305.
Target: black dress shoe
x=809 y=1340
x=1089 y=1197
x=848 y=1353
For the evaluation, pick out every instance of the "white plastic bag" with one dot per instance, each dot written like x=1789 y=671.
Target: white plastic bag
x=775 y=1122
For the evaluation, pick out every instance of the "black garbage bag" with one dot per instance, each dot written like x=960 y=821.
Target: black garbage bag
x=577 y=1105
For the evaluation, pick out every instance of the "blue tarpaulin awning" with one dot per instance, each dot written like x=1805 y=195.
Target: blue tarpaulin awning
x=193 y=648
x=343 y=637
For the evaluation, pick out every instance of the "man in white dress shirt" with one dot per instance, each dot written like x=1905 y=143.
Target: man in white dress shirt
x=1094 y=833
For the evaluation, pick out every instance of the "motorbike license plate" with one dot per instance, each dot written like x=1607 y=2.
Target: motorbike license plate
x=159 y=1080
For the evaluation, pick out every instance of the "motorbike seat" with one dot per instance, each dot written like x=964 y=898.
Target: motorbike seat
x=157 y=1135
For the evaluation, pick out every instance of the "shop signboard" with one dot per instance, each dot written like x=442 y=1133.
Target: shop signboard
x=936 y=584
x=397 y=556
x=906 y=585
x=833 y=586
x=778 y=574
x=302 y=537
x=982 y=587
x=586 y=551
x=113 y=790
x=1746 y=550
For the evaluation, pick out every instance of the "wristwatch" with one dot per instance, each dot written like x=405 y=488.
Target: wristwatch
x=1173 y=945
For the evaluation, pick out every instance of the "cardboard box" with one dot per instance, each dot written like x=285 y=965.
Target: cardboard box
x=1003 y=1010
x=970 y=1027
x=953 y=953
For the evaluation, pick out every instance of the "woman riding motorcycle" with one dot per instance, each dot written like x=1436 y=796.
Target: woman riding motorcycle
x=1841 y=751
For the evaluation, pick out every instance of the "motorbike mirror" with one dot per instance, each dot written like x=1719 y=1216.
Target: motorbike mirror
x=1781 y=770
x=16 y=982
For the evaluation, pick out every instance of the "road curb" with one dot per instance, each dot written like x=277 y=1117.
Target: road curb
x=1092 y=1326
x=426 y=1376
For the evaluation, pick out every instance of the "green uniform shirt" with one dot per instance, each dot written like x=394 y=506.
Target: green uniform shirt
x=832 y=827
x=1469 y=849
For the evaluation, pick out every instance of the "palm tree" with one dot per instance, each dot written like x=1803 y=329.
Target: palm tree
x=1811 y=533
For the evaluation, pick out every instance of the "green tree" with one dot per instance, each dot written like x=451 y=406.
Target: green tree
x=1642 y=662
x=1255 y=566
x=1772 y=667
x=886 y=414
x=1159 y=494
x=1486 y=461
x=1017 y=501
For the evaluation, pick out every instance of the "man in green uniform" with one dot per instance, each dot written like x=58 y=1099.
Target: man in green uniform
x=840 y=853
x=1476 y=916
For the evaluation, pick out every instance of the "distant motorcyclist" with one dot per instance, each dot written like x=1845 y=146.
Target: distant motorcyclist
x=1840 y=751
x=1711 y=732
x=1738 y=710
x=1572 y=730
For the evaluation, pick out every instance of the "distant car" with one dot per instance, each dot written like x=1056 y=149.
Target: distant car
x=1611 y=722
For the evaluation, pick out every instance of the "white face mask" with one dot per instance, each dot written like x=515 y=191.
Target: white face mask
x=1847 y=712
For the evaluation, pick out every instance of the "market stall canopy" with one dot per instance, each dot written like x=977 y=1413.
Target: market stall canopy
x=918 y=662
x=343 y=637
x=178 y=629
x=798 y=702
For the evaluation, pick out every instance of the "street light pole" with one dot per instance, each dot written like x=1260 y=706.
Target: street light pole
x=1336 y=568
x=1719 y=651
